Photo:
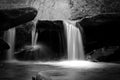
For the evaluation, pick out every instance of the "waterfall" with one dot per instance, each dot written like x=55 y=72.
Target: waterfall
x=75 y=49
x=34 y=35
x=10 y=38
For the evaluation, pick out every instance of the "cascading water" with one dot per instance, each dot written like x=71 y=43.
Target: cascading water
x=10 y=38
x=75 y=49
x=34 y=35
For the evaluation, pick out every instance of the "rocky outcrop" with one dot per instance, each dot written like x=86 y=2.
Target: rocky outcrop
x=100 y=33
x=51 y=42
x=101 y=30
x=52 y=34
x=10 y=18
x=13 y=17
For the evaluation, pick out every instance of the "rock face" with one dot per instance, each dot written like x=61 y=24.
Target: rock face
x=51 y=33
x=13 y=17
x=57 y=9
x=10 y=18
x=3 y=46
x=100 y=33
x=52 y=9
x=65 y=9
x=51 y=42
x=101 y=30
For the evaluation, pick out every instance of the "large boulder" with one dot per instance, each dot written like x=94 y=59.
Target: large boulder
x=101 y=30
x=13 y=17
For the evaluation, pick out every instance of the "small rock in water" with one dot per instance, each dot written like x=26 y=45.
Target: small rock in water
x=42 y=77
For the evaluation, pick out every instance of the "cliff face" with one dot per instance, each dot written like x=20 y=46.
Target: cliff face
x=52 y=9
x=65 y=9
x=55 y=9
x=47 y=9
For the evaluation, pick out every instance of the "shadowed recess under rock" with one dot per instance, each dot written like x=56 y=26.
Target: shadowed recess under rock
x=50 y=43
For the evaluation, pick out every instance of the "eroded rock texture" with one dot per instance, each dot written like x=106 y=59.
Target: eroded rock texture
x=57 y=9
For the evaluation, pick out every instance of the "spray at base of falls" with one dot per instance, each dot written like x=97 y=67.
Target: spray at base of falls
x=75 y=49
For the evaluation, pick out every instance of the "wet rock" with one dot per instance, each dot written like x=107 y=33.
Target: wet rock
x=52 y=34
x=115 y=57
x=101 y=30
x=34 y=53
x=3 y=46
x=106 y=54
x=13 y=17
x=51 y=38
x=23 y=36
x=41 y=76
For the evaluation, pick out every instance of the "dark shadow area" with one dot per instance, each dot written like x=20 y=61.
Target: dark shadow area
x=13 y=17
x=10 y=18
x=51 y=42
x=102 y=32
